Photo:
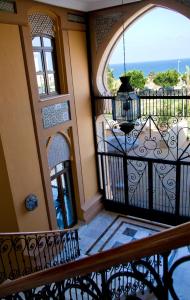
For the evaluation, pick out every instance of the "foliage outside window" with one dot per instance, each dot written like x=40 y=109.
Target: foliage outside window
x=45 y=65
x=112 y=83
x=167 y=79
x=137 y=79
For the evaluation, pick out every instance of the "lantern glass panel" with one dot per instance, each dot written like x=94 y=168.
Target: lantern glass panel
x=127 y=107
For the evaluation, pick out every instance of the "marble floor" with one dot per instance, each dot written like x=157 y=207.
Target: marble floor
x=109 y=230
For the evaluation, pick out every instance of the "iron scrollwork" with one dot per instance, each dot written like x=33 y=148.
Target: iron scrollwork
x=131 y=280
x=24 y=254
x=147 y=169
x=153 y=275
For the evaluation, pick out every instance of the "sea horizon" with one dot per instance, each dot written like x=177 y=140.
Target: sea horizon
x=152 y=66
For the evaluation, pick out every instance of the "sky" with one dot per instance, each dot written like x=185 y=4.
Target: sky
x=159 y=34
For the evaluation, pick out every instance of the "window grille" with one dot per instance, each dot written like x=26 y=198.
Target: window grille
x=8 y=6
x=41 y=24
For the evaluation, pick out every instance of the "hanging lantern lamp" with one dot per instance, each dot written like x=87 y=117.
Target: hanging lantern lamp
x=126 y=106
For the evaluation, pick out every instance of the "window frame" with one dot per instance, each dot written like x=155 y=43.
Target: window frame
x=66 y=171
x=42 y=49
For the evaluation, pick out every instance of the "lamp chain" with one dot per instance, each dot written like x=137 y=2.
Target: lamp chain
x=124 y=59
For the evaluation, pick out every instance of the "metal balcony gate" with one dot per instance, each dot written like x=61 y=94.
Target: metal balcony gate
x=153 y=189
x=147 y=173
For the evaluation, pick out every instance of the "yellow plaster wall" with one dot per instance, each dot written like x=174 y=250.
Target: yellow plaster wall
x=79 y=65
x=17 y=134
x=7 y=213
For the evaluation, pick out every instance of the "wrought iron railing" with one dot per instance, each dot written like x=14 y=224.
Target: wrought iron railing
x=145 y=172
x=25 y=253
x=152 y=266
x=165 y=103
x=155 y=103
x=148 y=188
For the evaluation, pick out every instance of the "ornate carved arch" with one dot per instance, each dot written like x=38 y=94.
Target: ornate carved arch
x=108 y=25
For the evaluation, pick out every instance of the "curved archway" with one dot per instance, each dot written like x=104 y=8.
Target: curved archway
x=108 y=46
x=111 y=44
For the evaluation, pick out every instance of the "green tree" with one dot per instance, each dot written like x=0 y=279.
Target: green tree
x=166 y=79
x=137 y=79
x=186 y=76
x=112 y=82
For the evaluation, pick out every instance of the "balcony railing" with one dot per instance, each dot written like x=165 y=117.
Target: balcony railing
x=149 y=188
x=25 y=253
x=146 y=173
x=153 y=266
x=155 y=103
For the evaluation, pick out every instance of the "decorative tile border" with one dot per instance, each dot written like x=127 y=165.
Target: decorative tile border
x=112 y=231
x=56 y=114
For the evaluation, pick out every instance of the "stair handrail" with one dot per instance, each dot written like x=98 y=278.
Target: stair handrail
x=22 y=253
x=38 y=232
x=161 y=242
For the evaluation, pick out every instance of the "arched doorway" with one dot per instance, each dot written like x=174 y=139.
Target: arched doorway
x=61 y=181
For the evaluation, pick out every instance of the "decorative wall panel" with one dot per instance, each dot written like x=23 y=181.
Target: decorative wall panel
x=8 y=6
x=41 y=24
x=56 y=114
x=104 y=25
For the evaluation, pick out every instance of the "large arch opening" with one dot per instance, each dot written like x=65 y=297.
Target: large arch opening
x=138 y=167
x=152 y=45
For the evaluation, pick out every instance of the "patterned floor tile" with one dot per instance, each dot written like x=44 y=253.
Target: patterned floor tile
x=110 y=230
x=130 y=232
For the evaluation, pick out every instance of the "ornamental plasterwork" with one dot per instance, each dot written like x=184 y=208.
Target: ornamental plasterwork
x=41 y=24
x=104 y=25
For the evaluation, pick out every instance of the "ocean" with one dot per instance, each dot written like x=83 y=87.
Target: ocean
x=152 y=66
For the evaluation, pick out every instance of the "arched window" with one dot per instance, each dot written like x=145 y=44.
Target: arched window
x=44 y=51
x=61 y=181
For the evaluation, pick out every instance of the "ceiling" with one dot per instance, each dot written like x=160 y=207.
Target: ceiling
x=86 y=5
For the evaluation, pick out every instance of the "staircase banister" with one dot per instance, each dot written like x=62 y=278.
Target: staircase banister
x=158 y=243
x=37 y=232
